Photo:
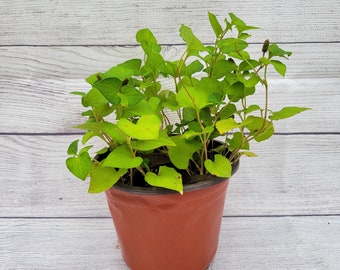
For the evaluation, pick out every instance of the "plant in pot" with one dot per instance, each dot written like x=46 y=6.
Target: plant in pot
x=173 y=133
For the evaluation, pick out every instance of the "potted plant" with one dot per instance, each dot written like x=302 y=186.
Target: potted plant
x=174 y=132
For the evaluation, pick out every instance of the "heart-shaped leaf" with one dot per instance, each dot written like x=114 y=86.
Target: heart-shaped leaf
x=103 y=178
x=121 y=157
x=167 y=178
x=124 y=70
x=220 y=167
x=193 y=97
x=226 y=125
x=146 y=128
x=109 y=88
x=80 y=166
x=181 y=154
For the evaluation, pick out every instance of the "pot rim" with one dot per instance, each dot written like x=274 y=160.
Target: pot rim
x=210 y=180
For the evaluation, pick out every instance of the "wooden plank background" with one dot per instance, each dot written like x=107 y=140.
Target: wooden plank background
x=283 y=207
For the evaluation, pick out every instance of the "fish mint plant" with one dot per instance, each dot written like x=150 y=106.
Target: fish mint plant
x=131 y=107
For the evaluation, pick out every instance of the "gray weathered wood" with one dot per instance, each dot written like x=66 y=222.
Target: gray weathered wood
x=293 y=175
x=63 y=62
x=264 y=243
x=62 y=22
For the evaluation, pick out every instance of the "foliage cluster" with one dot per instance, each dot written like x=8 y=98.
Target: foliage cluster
x=211 y=88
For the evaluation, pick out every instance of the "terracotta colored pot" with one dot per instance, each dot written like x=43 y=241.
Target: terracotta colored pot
x=166 y=230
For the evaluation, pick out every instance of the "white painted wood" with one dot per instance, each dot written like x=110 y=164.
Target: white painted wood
x=81 y=22
x=62 y=62
x=277 y=207
x=293 y=175
x=263 y=243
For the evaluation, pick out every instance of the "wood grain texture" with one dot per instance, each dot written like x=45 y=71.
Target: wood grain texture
x=245 y=243
x=282 y=209
x=62 y=62
x=293 y=175
x=107 y=22
x=45 y=106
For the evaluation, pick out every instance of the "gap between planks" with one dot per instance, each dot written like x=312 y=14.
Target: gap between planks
x=162 y=44
x=80 y=133
x=224 y=216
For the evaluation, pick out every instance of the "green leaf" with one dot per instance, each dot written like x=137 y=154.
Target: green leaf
x=266 y=133
x=191 y=133
x=249 y=80
x=223 y=67
x=124 y=70
x=88 y=135
x=80 y=166
x=240 y=24
x=194 y=45
x=225 y=125
x=248 y=154
x=73 y=148
x=163 y=140
x=192 y=68
x=121 y=157
x=94 y=78
x=148 y=41
x=216 y=98
x=236 y=91
x=240 y=55
x=253 y=108
x=76 y=93
x=146 y=128
x=181 y=154
x=141 y=108
x=193 y=97
x=215 y=24
x=249 y=65
x=275 y=50
x=279 y=67
x=85 y=149
x=109 y=88
x=132 y=94
x=264 y=60
x=103 y=178
x=287 y=112
x=206 y=117
x=189 y=114
x=260 y=129
x=98 y=127
x=229 y=45
x=221 y=166
x=169 y=100
x=94 y=99
x=166 y=178
x=236 y=141
x=227 y=111
x=154 y=64
x=112 y=130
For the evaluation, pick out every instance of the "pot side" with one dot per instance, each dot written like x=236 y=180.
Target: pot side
x=168 y=231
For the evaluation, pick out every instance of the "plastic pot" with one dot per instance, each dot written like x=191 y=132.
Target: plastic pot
x=163 y=230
